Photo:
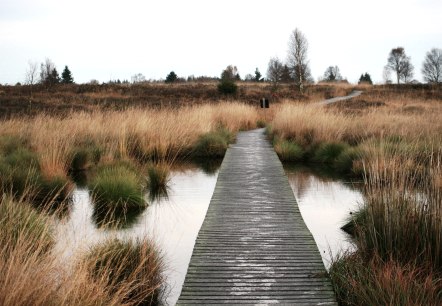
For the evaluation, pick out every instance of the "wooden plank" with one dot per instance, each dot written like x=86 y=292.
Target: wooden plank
x=253 y=246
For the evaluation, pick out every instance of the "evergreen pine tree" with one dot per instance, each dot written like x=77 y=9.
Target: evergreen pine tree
x=257 y=75
x=365 y=78
x=171 y=77
x=53 y=77
x=66 y=76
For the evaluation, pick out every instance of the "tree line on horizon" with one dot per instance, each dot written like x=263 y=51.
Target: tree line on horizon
x=295 y=70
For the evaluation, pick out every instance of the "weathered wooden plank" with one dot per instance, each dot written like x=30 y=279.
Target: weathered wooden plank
x=254 y=247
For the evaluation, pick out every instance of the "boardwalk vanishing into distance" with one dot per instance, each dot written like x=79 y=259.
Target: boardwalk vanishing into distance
x=254 y=247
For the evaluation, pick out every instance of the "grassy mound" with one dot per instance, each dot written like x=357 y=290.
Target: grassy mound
x=132 y=268
x=213 y=144
x=117 y=187
x=288 y=151
x=328 y=153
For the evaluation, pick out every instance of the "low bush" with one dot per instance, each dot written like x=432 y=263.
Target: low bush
x=227 y=86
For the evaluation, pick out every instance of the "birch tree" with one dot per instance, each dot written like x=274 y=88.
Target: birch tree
x=297 y=59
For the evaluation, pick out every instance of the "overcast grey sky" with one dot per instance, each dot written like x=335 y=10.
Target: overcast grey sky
x=110 y=39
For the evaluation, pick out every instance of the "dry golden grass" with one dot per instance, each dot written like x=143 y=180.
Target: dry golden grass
x=31 y=274
x=162 y=133
x=308 y=124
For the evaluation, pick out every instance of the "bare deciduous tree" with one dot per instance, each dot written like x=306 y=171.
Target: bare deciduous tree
x=332 y=74
x=400 y=63
x=297 y=58
x=48 y=73
x=31 y=73
x=230 y=73
x=275 y=71
x=138 y=78
x=386 y=75
x=407 y=71
x=432 y=66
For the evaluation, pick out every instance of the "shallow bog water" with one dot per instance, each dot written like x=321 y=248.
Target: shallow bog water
x=173 y=222
x=325 y=202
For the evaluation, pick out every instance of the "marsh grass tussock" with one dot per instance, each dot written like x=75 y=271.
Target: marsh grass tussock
x=378 y=282
x=393 y=142
x=398 y=234
x=117 y=186
x=61 y=143
x=20 y=223
x=288 y=151
x=115 y=273
x=131 y=269
x=36 y=156
x=213 y=144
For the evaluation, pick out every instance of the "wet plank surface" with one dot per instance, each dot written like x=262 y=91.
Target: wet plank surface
x=254 y=247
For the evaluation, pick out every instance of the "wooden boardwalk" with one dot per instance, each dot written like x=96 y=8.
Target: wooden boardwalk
x=254 y=247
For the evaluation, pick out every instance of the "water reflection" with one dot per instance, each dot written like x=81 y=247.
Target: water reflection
x=172 y=222
x=104 y=216
x=158 y=194
x=325 y=202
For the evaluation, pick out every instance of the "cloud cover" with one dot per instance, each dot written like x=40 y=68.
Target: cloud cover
x=115 y=39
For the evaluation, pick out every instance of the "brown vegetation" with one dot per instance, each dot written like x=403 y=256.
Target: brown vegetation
x=32 y=275
x=64 y=99
x=392 y=134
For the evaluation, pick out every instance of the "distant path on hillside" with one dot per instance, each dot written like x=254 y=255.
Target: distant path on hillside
x=337 y=99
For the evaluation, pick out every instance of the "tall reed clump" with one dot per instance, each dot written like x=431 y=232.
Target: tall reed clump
x=399 y=238
x=20 y=223
x=341 y=139
x=309 y=125
x=25 y=242
x=52 y=141
x=70 y=142
x=19 y=166
x=20 y=171
x=130 y=269
x=158 y=176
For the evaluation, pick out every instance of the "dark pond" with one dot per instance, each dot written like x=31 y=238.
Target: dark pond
x=173 y=222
